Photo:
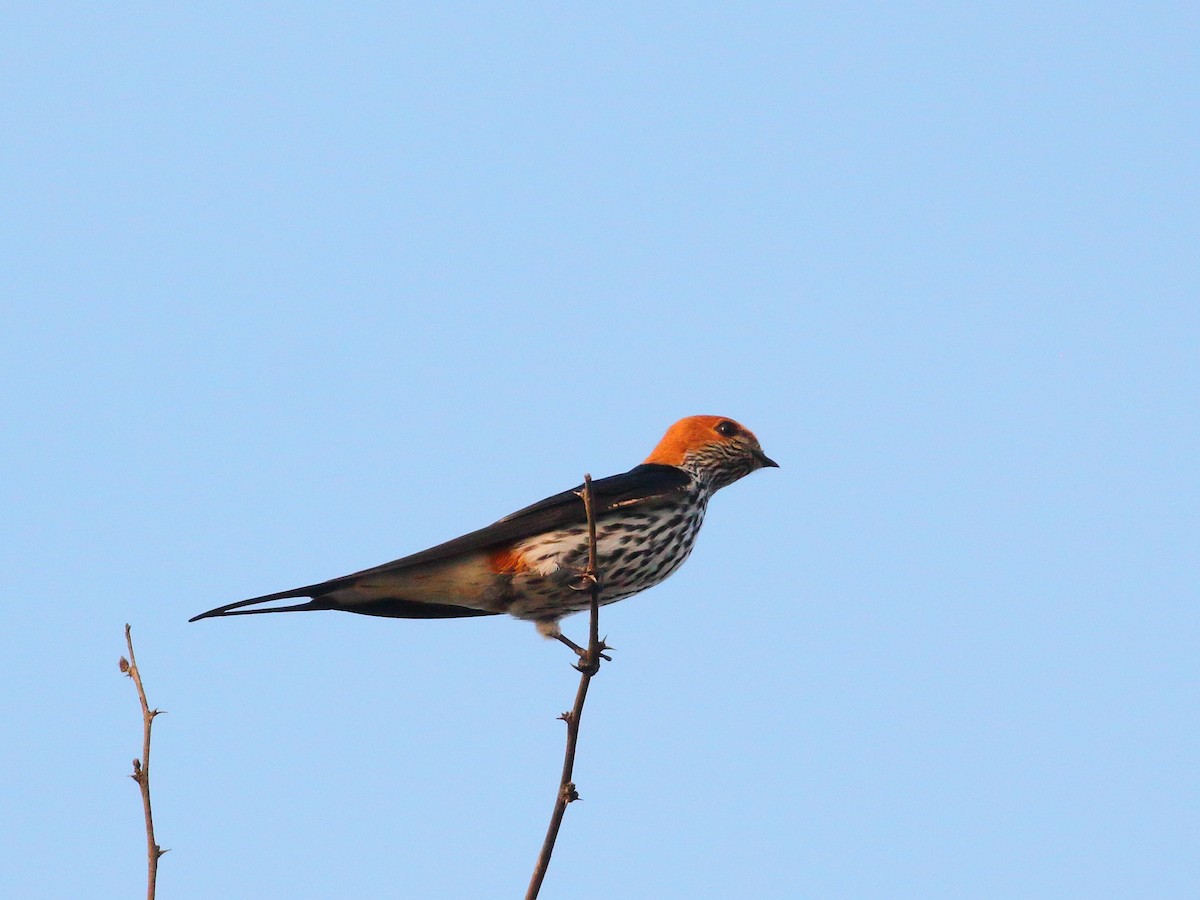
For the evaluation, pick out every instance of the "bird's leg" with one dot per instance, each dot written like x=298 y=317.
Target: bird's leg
x=549 y=628
x=581 y=651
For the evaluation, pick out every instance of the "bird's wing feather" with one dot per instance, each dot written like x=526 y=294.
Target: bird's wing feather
x=639 y=485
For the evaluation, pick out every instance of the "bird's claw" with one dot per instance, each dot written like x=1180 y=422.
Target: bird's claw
x=587 y=663
x=584 y=581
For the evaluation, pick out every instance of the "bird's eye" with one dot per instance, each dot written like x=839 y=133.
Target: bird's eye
x=727 y=429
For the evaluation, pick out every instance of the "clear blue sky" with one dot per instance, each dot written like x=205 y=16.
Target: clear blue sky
x=291 y=290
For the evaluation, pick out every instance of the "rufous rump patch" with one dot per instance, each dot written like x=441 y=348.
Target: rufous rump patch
x=507 y=562
x=686 y=434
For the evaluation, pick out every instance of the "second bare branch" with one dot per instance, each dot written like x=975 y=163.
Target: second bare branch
x=141 y=767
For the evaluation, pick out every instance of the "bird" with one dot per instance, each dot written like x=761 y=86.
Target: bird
x=531 y=564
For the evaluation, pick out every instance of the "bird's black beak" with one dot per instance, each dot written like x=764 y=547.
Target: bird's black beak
x=764 y=461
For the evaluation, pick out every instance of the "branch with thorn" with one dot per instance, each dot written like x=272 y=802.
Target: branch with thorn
x=141 y=767
x=588 y=665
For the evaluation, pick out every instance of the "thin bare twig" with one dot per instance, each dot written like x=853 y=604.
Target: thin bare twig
x=141 y=767
x=588 y=666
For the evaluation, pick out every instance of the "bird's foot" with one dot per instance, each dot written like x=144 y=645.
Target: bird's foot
x=586 y=663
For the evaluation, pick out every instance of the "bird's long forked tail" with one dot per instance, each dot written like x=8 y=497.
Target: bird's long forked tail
x=334 y=595
x=236 y=609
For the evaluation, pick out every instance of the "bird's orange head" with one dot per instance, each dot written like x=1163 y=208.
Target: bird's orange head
x=714 y=449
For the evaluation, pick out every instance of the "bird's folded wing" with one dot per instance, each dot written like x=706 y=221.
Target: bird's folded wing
x=639 y=485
